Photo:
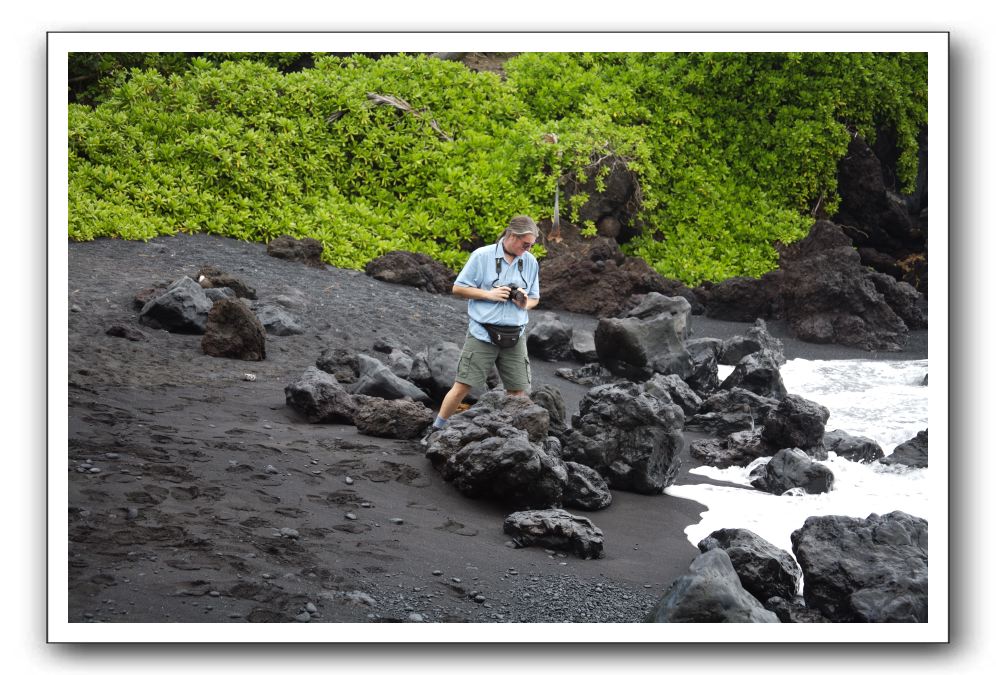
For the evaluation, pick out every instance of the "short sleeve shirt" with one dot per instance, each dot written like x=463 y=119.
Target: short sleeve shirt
x=487 y=269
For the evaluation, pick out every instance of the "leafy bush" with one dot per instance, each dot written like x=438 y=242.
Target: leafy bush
x=733 y=151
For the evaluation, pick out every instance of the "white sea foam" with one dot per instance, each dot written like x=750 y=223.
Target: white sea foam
x=882 y=400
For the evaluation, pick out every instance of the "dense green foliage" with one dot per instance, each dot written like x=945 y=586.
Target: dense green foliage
x=733 y=151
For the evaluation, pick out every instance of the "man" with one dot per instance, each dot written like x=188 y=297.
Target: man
x=501 y=283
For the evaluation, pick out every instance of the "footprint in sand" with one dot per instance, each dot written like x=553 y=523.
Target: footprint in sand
x=458 y=528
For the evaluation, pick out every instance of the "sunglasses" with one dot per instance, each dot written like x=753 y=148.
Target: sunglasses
x=527 y=244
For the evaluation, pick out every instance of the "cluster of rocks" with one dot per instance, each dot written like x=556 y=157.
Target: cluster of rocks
x=826 y=293
x=221 y=307
x=853 y=570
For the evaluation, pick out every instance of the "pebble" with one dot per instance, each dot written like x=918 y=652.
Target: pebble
x=350 y=516
x=249 y=377
x=310 y=608
x=455 y=580
x=416 y=617
x=349 y=481
x=479 y=599
x=94 y=469
x=214 y=594
x=267 y=426
x=437 y=573
x=111 y=455
x=366 y=505
x=303 y=617
x=397 y=521
x=270 y=469
x=510 y=544
x=290 y=533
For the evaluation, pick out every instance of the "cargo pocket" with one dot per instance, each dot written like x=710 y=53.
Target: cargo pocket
x=529 y=372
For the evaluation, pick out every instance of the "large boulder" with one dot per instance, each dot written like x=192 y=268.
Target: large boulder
x=412 y=269
x=593 y=276
x=854 y=448
x=632 y=439
x=637 y=348
x=307 y=250
x=233 y=331
x=756 y=338
x=731 y=410
x=711 y=592
x=797 y=423
x=320 y=398
x=277 y=320
x=497 y=450
x=550 y=339
x=864 y=570
x=740 y=448
x=791 y=468
x=586 y=489
x=655 y=304
x=912 y=453
x=757 y=372
x=556 y=529
x=764 y=569
x=399 y=418
x=672 y=389
x=376 y=379
x=182 y=308
x=829 y=296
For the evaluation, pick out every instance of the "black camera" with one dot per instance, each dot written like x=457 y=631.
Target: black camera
x=515 y=293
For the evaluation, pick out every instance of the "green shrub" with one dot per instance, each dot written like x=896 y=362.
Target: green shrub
x=733 y=151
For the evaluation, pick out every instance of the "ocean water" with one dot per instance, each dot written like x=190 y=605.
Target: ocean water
x=882 y=400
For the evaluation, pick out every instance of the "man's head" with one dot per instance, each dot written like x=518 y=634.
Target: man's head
x=520 y=235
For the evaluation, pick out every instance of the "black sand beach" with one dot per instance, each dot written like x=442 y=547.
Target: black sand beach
x=197 y=495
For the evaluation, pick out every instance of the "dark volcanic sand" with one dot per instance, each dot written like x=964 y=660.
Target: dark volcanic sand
x=182 y=521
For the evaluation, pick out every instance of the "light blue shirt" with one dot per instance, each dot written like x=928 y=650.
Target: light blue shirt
x=480 y=272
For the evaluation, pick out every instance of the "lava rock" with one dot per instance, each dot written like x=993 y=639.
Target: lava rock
x=711 y=592
x=306 y=250
x=550 y=339
x=864 y=570
x=586 y=489
x=320 y=398
x=183 y=308
x=792 y=468
x=233 y=331
x=391 y=419
x=854 y=448
x=797 y=423
x=757 y=372
x=764 y=569
x=632 y=439
x=555 y=529
x=912 y=453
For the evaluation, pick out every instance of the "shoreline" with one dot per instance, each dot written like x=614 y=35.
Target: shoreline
x=182 y=521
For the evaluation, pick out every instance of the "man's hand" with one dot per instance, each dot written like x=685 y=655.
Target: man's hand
x=521 y=300
x=499 y=294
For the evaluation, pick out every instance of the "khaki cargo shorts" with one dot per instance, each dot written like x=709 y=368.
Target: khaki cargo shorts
x=479 y=357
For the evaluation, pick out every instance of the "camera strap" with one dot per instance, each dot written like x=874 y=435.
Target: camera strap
x=498 y=270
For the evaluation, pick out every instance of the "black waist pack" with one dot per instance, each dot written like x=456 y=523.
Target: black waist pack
x=503 y=336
